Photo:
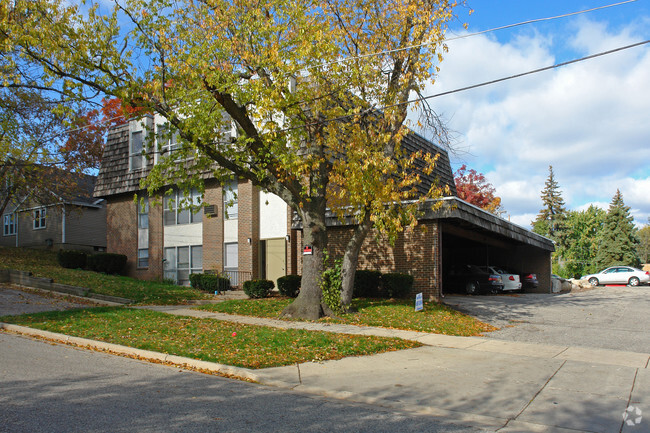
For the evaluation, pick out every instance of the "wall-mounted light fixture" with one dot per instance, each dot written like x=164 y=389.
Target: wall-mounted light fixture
x=249 y=241
x=288 y=238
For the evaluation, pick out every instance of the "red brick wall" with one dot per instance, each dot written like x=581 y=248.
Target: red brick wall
x=213 y=230
x=415 y=252
x=249 y=228
x=122 y=228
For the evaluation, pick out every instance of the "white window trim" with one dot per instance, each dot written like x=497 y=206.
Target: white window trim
x=9 y=222
x=42 y=218
x=231 y=193
x=173 y=268
x=175 y=198
x=138 y=265
x=141 y=125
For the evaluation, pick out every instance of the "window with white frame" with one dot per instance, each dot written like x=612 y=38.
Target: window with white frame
x=143 y=258
x=39 y=218
x=230 y=205
x=231 y=256
x=9 y=224
x=177 y=208
x=167 y=140
x=182 y=261
x=143 y=213
x=137 y=158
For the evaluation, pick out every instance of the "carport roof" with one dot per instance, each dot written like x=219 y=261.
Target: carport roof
x=460 y=212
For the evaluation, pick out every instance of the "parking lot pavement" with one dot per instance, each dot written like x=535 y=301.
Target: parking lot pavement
x=16 y=300
x=606 y=317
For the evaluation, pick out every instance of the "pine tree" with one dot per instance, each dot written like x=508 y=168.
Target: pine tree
x=618 y=239
x=550 y=220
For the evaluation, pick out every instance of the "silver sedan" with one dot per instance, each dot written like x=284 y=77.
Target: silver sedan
x=619 y=275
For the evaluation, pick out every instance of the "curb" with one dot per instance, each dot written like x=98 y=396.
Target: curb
x=175 y=360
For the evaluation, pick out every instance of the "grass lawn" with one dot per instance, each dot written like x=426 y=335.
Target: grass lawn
x=43 y=263
x=393 y=313
x=206 y=339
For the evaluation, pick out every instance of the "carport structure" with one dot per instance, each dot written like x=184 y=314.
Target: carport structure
x=470 y=235
x=454 y=233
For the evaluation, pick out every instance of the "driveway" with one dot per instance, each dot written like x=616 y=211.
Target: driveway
x=605 y=317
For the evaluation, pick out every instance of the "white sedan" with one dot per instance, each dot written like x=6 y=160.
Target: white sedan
x=510 y=281
x=619 y=275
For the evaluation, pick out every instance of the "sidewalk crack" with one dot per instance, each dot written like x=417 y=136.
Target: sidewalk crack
x=532 y=399
x=629 y=399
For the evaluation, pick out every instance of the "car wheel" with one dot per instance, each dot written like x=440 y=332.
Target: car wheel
x=634 y=281
x=471 y=288
x=593 y=281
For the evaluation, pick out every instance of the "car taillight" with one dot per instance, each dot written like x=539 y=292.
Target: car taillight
x=512 y=278
x=495 y=278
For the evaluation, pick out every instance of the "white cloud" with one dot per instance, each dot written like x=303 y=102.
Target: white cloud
x=589 y=120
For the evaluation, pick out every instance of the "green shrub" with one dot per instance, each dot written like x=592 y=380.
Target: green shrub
x=367 y=284
x=331 y=285
x=108 y=263
x=71 y=259
x=258 y=288
x=397 y=285
x=209 y=282
x=289 y=285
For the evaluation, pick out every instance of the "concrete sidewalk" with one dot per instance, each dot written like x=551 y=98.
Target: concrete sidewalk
x=497 y=385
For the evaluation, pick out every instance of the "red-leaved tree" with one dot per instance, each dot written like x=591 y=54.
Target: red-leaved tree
x=85 y=142
x=474 y=188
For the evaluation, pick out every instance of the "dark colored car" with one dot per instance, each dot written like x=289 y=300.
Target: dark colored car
x=529 y=280
x=472 y=280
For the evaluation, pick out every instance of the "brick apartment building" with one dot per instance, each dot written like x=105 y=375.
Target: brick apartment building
x=257 y=238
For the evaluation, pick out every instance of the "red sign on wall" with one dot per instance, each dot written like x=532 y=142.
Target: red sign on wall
x=307 y=250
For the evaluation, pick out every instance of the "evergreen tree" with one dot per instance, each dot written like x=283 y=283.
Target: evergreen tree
x=582 y=230
x=618 y=239
x=550 y=220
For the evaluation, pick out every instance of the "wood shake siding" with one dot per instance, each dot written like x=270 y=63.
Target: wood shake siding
x=114 y=175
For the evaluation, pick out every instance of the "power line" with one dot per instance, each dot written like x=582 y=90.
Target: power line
x=446 y=40
x=485 y=83
x=536 y=20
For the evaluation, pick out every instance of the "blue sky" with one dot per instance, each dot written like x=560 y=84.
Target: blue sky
x=590 y=120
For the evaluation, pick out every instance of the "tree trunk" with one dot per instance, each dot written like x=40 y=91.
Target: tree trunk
x=351 y=260
x=308 y=305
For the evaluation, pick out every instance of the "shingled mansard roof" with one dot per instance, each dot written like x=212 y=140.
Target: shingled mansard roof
x=115 y=178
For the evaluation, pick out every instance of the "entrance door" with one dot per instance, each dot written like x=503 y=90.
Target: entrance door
x=276 y=259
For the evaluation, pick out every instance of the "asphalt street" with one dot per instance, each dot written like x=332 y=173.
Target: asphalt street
x=615 y=318
x=55 y=388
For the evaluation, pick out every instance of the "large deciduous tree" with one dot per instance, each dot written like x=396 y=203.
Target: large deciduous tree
x=618 y=241
x=316 y=90
x=474 y=188
x=32 y=131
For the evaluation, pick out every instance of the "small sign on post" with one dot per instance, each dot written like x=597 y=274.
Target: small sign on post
x=307 y=250
x=419 y=303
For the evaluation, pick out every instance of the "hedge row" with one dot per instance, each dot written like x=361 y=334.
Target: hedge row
x=374 y=284
x=108 y=263
x=209 y=282
x=258 y=288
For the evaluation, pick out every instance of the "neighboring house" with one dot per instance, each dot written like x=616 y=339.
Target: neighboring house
x=60 y=219
x=257 y=238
